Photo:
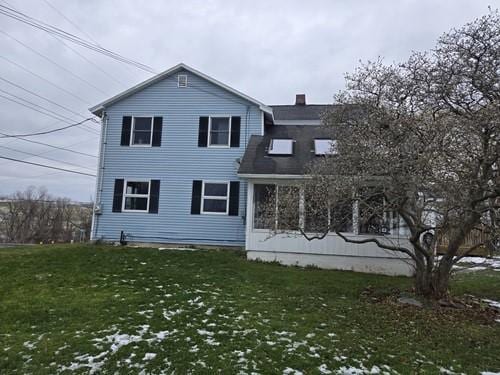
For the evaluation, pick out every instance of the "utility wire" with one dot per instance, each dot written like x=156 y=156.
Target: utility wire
x=114 y=79
x=22 y=17
x=53 y=146
x=45 y=132
x=52 y=61
x=43 y=110
x=46 y=80
x=42 y=97
x=75 y=25
x=84 y=127
x=47 y=158
x=47 y=166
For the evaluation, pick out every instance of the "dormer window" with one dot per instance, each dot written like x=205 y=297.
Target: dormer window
x=280 y=147
x=325 y=147
x=182 y=80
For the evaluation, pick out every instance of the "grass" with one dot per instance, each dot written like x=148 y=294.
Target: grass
x=127 y=310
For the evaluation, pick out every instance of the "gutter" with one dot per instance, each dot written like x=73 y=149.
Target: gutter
x=274 y=176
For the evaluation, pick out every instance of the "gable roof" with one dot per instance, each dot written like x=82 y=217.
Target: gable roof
x=98 y=109
x=307 y=112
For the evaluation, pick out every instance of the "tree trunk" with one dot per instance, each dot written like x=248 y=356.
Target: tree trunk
x=433 y=282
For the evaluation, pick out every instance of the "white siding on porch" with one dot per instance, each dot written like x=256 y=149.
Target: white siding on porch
x=329 y=252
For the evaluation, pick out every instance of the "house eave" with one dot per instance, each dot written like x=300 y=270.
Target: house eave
x=97 y=109
x=273 y=176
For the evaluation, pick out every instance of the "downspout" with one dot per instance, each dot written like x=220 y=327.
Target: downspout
x=99 y=181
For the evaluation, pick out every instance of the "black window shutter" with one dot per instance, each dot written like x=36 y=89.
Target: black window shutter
x=154 y=197
x=157 y=127
x=196 y=198
x=203 y=132
x=118 y=195
x=235 y=131
x=126 y=129
x=234 y=198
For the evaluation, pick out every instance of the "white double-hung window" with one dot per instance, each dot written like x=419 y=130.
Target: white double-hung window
x=136 y=196
x=215 y=198
x=142 y=131
x=219 y=130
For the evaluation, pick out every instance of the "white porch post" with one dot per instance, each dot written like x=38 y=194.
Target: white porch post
x=302 y=218
x=250 y=214
x=355 y=217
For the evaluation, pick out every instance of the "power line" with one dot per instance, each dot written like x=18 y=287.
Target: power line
x=44 y=157
x=52 y=61
x=28 y=106
x=42 y=110
x=41 y=97
x=75 y=51
x=89 y=61
x=53 y=146
x=47 y=166
x=45 y=132
x=84 y=127
x=22 y=17
x=71 y=22
x=46 y=80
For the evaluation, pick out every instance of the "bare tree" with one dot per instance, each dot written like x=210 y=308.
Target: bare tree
x=418 y=145
x=34 y=216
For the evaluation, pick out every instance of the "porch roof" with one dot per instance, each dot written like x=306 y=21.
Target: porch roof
x=256 y=160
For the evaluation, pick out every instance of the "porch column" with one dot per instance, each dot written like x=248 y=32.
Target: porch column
x=249 y=215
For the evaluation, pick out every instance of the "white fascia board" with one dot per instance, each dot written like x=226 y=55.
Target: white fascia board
x=97 y=109
x=297 y=122
x=273 y=176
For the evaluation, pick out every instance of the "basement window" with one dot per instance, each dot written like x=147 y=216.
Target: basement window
x=281 y=147
x=325 y=147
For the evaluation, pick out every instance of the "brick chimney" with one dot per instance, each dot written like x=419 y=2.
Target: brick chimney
x=300 y=99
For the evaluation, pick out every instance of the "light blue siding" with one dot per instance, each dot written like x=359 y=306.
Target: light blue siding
x=176 y=163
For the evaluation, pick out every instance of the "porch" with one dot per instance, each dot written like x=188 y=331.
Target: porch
x=290 y=247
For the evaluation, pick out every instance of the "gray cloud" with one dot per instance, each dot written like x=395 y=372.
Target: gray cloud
x=268 y=49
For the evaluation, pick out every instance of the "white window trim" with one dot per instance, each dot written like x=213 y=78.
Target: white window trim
x=331 y=151
x=125 y=195
x=203 y=197
x=269 y=148
x=132 y=132
x=209 y=141
x=179 y=80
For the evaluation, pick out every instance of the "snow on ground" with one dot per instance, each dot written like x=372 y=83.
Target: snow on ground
x=492 y=303
x=478 y=264
x=201 y=321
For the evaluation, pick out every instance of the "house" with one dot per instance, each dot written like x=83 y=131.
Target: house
x=184 y=159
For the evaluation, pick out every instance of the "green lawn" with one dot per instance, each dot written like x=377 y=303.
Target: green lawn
x=107 y=309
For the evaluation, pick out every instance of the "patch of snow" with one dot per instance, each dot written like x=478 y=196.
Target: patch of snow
x=492 y=303
x=493 y=263
x=169 y=314
x=149 y=356
x=204 y=332
x=323 y=369
x=350 y=371
x=292 y=371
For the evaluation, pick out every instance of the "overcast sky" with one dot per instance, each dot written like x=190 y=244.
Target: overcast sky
x=269 y=50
